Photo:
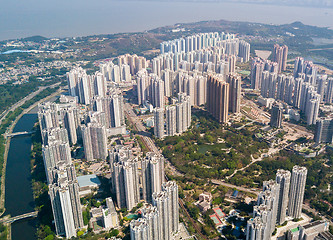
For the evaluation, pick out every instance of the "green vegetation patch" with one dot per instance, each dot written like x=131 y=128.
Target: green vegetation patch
x=211 y=150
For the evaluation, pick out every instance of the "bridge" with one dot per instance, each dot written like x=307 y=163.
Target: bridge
x=19 y=134
x=19 y=217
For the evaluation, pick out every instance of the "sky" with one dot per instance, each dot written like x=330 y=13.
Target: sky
x=69 y=18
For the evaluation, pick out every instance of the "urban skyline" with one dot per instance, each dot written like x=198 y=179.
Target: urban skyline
x=175 y=144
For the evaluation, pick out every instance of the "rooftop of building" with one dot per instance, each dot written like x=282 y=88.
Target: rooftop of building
x=294 y=229
x=326 y=235
x=313 y=224
x=88 y=181
x=204 y=204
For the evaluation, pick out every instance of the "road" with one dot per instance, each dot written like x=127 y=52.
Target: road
x=23 y=216
x=219 y=182
x=308 y=208
x=23 y=100
x=142 y=133
x=270 y=152
x=146 y=136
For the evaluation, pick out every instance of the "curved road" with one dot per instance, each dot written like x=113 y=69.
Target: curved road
x=23 y=100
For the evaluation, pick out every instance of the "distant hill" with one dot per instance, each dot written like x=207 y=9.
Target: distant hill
x=34 y=39
x=249 y=28
x=304 y=3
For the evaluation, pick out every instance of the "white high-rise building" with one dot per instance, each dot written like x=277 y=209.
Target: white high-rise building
x=142 y=86
x=151 y=215
x=126 y=73
x=329 y=91
x=272 y=201
x=172 y=189
x=70 y=124
x=115 y=74
x=85 y=89
x=256 y=229
x=100 y=85
x=168 y=82
x=113 y=108
x=179 y=117
x=94 y=141
x=186 y=117
x=324 y=131
x=152 y=174
x=74 y=77
x=140 y=230
x=62 y=211
x=265 y=213
x=53 y=134
x=283 y=178
x=296 y=191
x=234 y=93
x=125 y=177
x=162 y=202
x=158 y=92
x=244 y=50
x=171 y=120
x=55 y=152
x=201 y=91
x=159 y=122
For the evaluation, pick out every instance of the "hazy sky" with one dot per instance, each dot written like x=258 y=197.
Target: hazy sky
x=62 y=18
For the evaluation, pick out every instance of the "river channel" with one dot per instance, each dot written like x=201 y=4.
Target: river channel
x=19 y=195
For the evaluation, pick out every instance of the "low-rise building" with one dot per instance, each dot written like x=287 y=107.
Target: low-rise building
x=110 y=217
x=87 y=183
x=266 y=102
x=205 y=196
x=309 y=231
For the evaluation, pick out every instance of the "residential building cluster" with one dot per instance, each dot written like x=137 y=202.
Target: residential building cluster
x=175 y=119
x=160 y=220
x=128 y=183
x=126 y=67
x=304 y=90
x=106 y=103
x=135 y=180
x=258 y=66
x=232 y=45
x=279 y=201
x=65 y=123
x=116 y=73
x=136 y=63
x=191 y=66
x=60 y=172
x=61 y=125
x=280 y=56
